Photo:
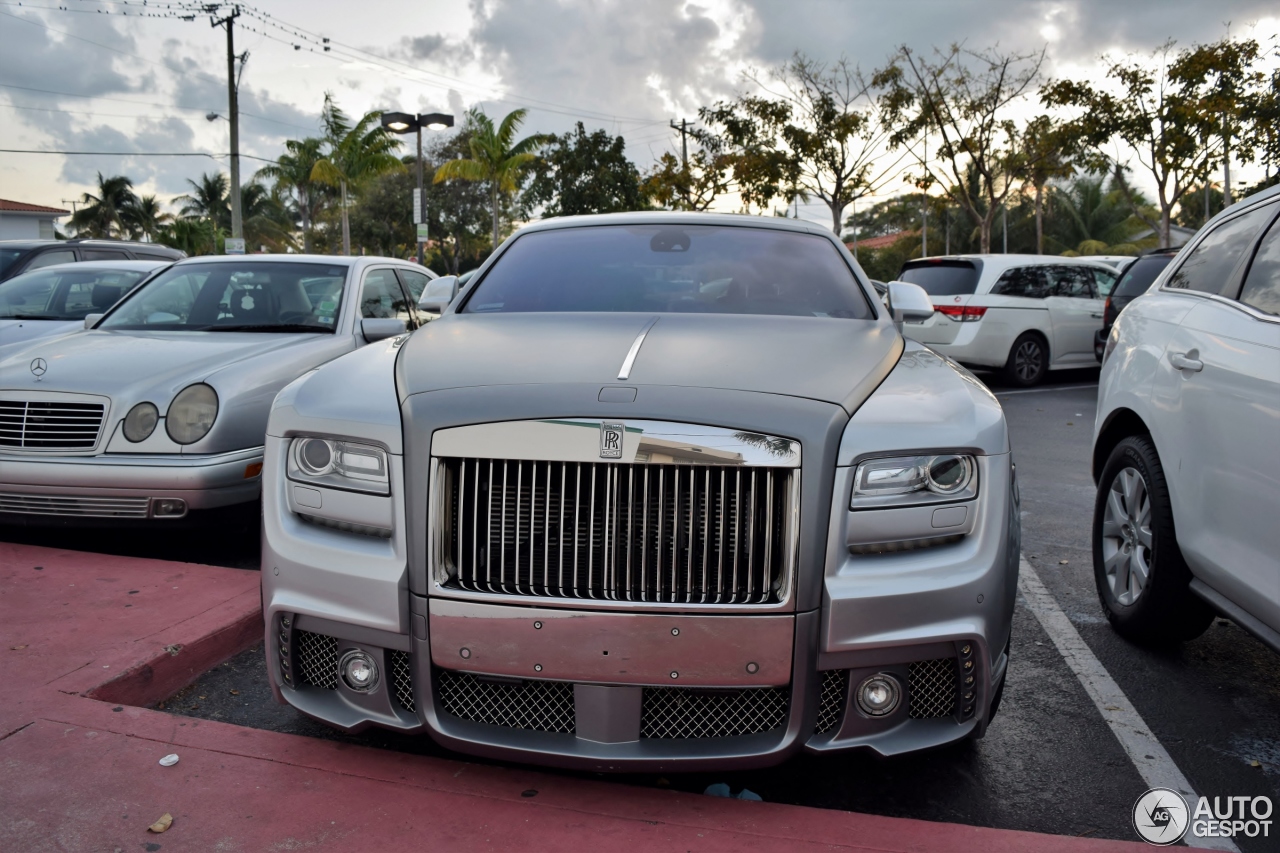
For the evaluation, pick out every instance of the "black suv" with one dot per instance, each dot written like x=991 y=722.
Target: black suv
x=1134 y=281
x=19 y=256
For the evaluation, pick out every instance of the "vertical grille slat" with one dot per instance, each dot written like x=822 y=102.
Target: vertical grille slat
x=615 y=531
x=27 y=425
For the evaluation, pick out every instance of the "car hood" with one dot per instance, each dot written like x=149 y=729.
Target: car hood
x=835 y=361
x=17 y=331
x=118 y=364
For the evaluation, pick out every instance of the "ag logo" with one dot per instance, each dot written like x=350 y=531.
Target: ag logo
x=611 y=440
x=38 y=367
x=1160 y=816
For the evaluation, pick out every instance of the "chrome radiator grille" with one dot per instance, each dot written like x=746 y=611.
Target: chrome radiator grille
x=620 y=532
x=932 y=688
x=50 y=426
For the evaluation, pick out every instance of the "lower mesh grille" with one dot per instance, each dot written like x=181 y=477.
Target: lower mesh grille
x=835 y=687
x=401 y=679
x=540 y=706
x=86 y=507
x=684 y=712
x=317 y=659
x=932 y=688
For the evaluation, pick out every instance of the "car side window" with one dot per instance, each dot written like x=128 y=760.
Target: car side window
x=415 y=282
x=382 y=297
x=48 y=259
x=1029 y=282
x=1072 y=281
x=1104 y=282
x=104 y=255
x=1209 y=266
x=1262 y=283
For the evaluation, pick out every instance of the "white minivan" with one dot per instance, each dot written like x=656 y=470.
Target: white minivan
x=1025 y=314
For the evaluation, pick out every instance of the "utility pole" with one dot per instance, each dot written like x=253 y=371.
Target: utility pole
x=1004 y=218
x=233 y=116
x=924 y=211
x=683 y=127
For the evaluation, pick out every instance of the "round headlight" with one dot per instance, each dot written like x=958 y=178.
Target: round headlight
x=948 y=474
x=315 y=456
x=141 y=422
x=191 y=414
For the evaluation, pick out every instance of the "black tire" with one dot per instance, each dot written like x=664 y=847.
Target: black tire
x=1028 y=360
x=1161 y=608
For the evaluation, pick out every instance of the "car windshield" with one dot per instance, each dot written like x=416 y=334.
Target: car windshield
x=1138 y=277
x=239 y=296
x=698 y=269
x=942 y=278
x=65 y=293
x=8 y=256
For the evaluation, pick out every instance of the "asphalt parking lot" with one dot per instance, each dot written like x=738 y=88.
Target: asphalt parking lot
x=1049 y=762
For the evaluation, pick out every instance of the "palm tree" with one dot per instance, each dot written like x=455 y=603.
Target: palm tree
x=266 y=221
x=209 y=199
x=356 y=153
x=494 y=158
x=102 y=214
x=292 y=172
x=144 y=217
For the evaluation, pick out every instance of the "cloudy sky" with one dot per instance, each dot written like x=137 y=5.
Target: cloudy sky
x=74 y=78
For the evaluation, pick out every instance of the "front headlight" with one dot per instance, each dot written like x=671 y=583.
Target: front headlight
x=191 y=414
x=914 y=481
x=339 y=464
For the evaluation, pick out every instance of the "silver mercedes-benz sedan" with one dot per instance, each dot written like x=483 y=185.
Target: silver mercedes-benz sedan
x=656 y=491
x=160 y=406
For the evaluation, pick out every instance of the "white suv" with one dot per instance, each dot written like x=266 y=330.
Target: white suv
x=1027 y=314
x=1185 y=445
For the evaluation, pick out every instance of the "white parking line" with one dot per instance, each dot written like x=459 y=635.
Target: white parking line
x=1043 y=390
x=1146 y=752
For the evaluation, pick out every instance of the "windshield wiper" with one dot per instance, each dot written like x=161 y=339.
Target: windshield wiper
x=278 y=327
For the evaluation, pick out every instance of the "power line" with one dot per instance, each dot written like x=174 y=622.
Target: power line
x=130 y=154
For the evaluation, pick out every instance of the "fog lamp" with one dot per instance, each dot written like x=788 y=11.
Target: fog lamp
x=359 y=671
x=168 y=507
x=879 y=695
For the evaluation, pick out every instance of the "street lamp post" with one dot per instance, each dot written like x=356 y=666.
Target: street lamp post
x=403 y=123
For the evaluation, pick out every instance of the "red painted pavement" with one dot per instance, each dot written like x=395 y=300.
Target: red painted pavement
x=76 y=774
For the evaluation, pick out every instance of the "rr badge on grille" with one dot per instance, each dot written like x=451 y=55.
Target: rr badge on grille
x=611 y=440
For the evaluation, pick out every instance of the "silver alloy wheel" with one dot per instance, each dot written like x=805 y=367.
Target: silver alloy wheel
x=1027 y=359
x=1126 y=536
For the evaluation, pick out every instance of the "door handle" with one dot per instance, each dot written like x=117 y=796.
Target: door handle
x=1184 y=361
x=1096 y=316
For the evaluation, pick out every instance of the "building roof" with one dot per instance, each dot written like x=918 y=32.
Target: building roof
x=883 y=242
x=7 y=206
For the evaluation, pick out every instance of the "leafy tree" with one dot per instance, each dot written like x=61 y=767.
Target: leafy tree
x=1161 y=107
x=103 y=214
x=820 y=137
x=458 y=212
x=962 y=99
x=355 y=153
x=692 y=184
x=382 y=218
x=193 y=236
x=292 y=176
x=496 y=159
x=584 y=173
x=1051 y=152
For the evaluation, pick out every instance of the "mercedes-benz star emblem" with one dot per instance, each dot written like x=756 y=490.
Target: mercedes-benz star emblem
x=39 y=366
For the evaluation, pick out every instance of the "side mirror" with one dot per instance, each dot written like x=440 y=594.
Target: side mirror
x=380 y=329
x=439 y=293
x=91 y=320
x=908 y=301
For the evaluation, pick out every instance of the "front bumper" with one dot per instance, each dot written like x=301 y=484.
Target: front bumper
x=119 y=486
x=935 y=620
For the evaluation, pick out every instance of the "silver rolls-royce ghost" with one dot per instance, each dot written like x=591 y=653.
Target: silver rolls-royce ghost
x=656 y=491
x=160 y=406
